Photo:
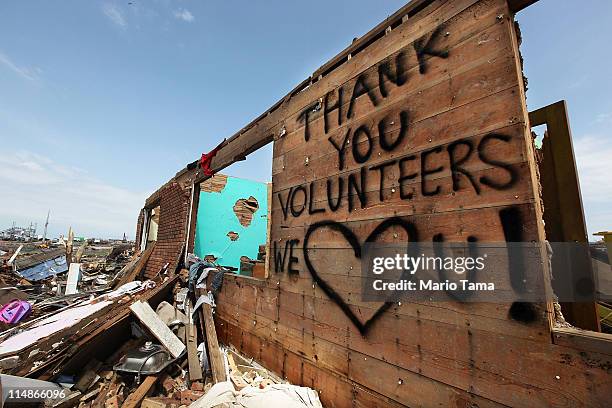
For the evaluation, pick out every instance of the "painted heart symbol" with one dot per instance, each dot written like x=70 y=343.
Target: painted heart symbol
x=352 y=239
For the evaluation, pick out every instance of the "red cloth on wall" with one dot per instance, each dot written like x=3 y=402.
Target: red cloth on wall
x=207 y=159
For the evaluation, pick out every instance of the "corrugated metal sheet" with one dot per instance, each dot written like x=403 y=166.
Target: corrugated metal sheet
x=45 y=269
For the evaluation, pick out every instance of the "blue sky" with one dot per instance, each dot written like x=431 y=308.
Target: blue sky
x=102 y=102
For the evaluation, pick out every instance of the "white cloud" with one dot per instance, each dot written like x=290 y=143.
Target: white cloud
x=31 y=74
x=604 y=118
x=184 y=14
x=114 y=14
x=593 y=153
x=32 y=184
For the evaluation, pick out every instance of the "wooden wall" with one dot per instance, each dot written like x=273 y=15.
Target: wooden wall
x=431 y=137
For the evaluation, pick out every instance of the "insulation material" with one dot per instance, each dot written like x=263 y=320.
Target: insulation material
x=49 y=326
x=274 y=396
x=232 y=221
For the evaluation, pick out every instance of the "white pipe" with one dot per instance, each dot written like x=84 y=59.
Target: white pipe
x=189 y=222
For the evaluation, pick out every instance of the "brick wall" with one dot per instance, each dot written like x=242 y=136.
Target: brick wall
x=174 y=211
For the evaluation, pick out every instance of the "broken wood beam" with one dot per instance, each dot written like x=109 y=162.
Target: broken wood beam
x=158 y=328
x=126 y=269
x=159 y=402
x=14 y=256
x=98 y=402
x=195 y=368
x=80 y=252
x=82 y=340
x=88 y=375
x=130 y=275
x=134 y=399
x=69 y=246
x=214 y=352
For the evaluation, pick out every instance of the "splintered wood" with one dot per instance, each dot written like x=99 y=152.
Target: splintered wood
x=132 y=271
x=135 y=398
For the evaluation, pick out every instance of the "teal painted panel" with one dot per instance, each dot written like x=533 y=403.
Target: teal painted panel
x=216 y=218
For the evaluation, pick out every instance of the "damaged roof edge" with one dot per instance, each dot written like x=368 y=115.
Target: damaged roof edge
x=411 y=8
x=227 y=155
x=185 y=177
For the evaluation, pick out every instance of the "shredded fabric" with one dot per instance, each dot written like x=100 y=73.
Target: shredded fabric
x=217 y=282
x=206 y=160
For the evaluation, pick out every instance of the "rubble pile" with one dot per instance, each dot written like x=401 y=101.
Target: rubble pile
x=116 y=341
x=36 y=275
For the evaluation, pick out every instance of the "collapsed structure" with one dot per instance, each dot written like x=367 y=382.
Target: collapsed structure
x=423 y=119
x=418 y=131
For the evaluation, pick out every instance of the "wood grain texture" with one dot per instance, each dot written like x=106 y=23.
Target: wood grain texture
x=195 y=369
x=157 y=327
x=217 y=364
x=134 y=399
x=465 y=352
x=438 y=102
x=133 y=270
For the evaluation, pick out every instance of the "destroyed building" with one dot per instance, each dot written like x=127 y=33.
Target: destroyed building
x=418 y=131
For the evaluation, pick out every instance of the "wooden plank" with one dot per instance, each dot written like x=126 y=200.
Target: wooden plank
x=134 y=399
x=468 y=56
x=301 y=299
x=127 y=268
x=88 y=375
x=572 y=224
x=564 y=213
x=583 y=340
x=195 y=369
x=80 y=252
x=83 y=335
x=409 y=388
x=474 y=362
x=268 y=233
x=103 y=394
x=74 y=276
x=214 y=352
x=91 y=394
x=149 y=318
x=483 y=223
x=157 y=402
x=69 y=243
x=130 y=275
